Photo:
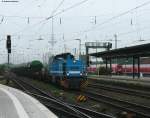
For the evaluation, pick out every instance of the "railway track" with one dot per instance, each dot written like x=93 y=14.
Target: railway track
x=133 y=86
x=141 y=111
x=120 y=90
x=97 y=79
x=50 y=103
x=56 y=105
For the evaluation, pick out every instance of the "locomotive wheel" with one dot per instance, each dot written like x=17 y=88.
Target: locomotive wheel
x=64 y=83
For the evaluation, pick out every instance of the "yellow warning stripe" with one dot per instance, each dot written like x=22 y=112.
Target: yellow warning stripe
x=81 y=98
x=84 y=99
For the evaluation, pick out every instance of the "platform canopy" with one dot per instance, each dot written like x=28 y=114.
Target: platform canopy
x=134 y=51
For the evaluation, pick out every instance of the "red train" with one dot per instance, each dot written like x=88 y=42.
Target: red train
x=126 y=69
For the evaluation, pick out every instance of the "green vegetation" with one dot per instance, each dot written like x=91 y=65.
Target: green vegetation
x=2 y=68
x=3 y=81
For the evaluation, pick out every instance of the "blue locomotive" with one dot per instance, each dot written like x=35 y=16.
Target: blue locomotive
x=66 y=71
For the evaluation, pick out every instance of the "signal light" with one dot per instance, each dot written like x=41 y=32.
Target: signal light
x=8 y=43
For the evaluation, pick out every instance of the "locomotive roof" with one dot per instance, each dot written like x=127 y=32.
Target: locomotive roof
x=64 y=55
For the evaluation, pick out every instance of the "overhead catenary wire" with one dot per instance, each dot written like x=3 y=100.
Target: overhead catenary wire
x=35 y=17
x=59 y=5
x=81 y=3
x=52 y=35
x=129 y=32
x=119 y=34
x=118 y=16
x=22 y=17
x=52 y=16
x=26 y=17
x=65 y=10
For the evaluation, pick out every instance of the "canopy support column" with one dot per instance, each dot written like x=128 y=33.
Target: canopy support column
x=138 y=67
x=110 y=66
x=106 y=64
x=133 y=68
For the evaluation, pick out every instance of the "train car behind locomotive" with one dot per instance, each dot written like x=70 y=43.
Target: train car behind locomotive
x=66 y=71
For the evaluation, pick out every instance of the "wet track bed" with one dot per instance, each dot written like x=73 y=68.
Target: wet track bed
x=137 y=84
x=50 y=102
x=127 y=99
x=104 y=102
x=131 y=95
x=139 y=110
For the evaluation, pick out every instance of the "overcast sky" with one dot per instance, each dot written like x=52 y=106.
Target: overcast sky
x=26 y=22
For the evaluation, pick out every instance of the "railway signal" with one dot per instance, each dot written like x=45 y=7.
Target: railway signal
x=8 y=46
x=8 y=43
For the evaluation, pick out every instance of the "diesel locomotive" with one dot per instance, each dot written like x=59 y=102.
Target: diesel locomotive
x=66 y=71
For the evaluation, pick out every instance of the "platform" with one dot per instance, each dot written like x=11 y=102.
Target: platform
x=126 y=79
x=16 y=104
x=122 y=77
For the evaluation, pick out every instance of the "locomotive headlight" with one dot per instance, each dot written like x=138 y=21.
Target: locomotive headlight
x=81 y=74
x=67 y=73
x=85 y=73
